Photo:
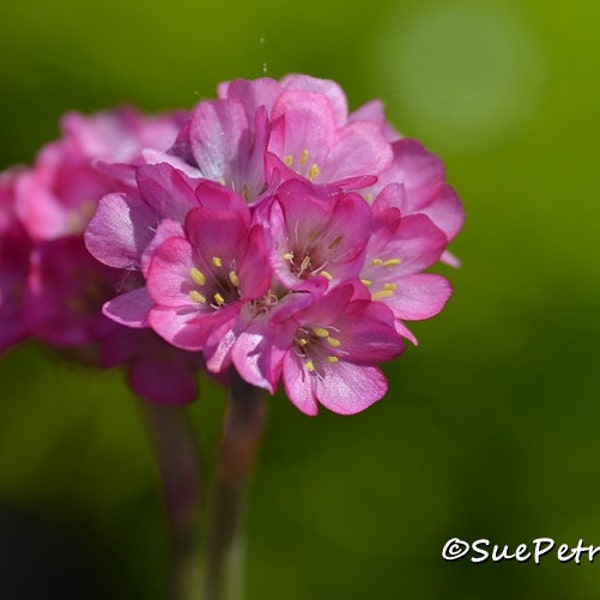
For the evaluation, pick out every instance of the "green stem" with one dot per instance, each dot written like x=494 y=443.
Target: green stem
x=178 y=460
x=244 y=426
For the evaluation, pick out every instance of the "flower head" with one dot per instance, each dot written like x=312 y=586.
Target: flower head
x=270 y=231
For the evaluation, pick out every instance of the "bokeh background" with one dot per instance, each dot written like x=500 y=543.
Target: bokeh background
x=491 y=426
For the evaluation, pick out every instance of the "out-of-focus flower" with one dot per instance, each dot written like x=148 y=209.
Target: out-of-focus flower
x=51 y=288
x=15 y=246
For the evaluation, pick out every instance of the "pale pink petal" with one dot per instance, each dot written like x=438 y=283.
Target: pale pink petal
x=419 y=296
x=298 y=384
x=347 y=389
x=120 y=231
x=130 y=308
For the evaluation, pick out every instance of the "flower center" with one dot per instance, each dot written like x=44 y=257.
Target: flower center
x=317 y=345
x=378 y=272
x=300 y=165
x=310 y=260
x=219 y=289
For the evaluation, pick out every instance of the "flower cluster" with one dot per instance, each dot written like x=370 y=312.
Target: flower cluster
x=270 y=231
x=51 y=288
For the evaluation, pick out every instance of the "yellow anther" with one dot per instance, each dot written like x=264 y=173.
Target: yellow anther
x=288 y=256
x=233 y=277
x=288 y=160
x=332 y=359
x=305 y=263
x=327 y=275
x=313 y=172
x=309 y=365
x=219 y=299
x=303 y=341
x=314 y=236
x=382 y=294
x=369 y=198
x=196 y=296
x=335 y=242
x=376 y=262
x=334 y=342
x=197 y=276
x=390 y=287
x=304 y=157
x=367 y=282
x=392 y=262
x=217 y=261
x=320 y=332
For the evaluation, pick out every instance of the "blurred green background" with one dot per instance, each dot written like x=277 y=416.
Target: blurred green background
x=490 y=427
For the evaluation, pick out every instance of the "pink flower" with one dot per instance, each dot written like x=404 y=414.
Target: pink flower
x=200 y=282
x=15 y=246
x=399 y=250
x=60 y=194
x=313 y=232
x=336 y=345
x=415 y=184
x=51 y=287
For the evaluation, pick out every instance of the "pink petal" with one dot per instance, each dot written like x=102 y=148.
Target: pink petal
x=419 y=296
x=169 y=281
x=330 y=89
x=130 y=308
x=359 y=149
x=347 y=389
x=120 y=230
x=298 y=385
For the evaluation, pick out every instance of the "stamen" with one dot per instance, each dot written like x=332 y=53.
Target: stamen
x=313 y=172
x=235 y=280
x=376 y=262
x=219 y=299
x=197 y=276
x=382 y=294
x=288 y=160
x=288 y=256
x=367 y=282
x=320 y=332
x=314 y=236
x=196 y=296
x=334 y=342
x=327 y=275
x=304 y=264
x=217 y=261
x=390 y=287
x=369 y=198
x=332 y=359
x=335 y=242
x=392 y=262
x=304 y=157
x=309 y=365
x=303 y=341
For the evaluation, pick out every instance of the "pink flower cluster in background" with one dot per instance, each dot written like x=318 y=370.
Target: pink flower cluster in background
x=268 y=231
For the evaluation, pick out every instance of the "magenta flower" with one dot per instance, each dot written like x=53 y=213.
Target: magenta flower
x=200 y=283
x=15 y=246
x=51 y=288
x=332 y=358
x=60 y=194
x=313 y=232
